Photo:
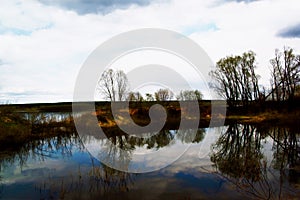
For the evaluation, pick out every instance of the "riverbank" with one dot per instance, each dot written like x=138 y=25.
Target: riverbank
x=275 y=117
x=269 y=112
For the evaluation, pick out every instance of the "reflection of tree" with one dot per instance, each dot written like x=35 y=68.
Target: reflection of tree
x=286 y=157
x=237 y=152
x=286 y=148
x=49 y=134
x=41 y=149
x=118 y=150
x=1 y=187
x=109 y=178
x=100 y=180
x=237 y=155
x=161 y=139
x=191 y=135
x=92 y=182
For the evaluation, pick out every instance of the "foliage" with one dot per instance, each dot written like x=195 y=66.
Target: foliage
x=188 y=95
x=163 y=95
x=149 y=97
x=135 y=96
x=235 y=79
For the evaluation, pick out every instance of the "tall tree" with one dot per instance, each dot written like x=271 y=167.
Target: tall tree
x=113 y=85
x=235 y=79
x=285 y=74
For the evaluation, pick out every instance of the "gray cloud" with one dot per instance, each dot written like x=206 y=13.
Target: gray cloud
x=290 y=32
x=26 y=93
x=246 y=1
x=94 y=6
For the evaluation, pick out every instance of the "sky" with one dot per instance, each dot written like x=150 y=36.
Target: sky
x=44 y=43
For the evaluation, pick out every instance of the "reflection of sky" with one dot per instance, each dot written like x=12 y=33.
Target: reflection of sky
x=189 y=175
x=38 y=169
x=143 y=159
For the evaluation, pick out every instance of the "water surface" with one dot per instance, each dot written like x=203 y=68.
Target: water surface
x=233 y=161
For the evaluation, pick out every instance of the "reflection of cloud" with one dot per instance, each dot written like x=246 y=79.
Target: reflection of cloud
x=44 y=171
x=290 y=32
x=182 y=185
x=143 y=159
x=94 y=6
x=38 y=167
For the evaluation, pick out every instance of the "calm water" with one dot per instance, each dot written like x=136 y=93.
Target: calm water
x=229 y=162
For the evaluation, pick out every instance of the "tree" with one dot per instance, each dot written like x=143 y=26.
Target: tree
x=189 y=95
x=163 y=95
x=113 y=85
x=236 y=80
x=135 y=96
x=285 y=74
x=149 y=97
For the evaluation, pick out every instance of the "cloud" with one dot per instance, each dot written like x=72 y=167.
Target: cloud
x=94 y=6
x=43 y=45
x=246 y=1
x=290 y=32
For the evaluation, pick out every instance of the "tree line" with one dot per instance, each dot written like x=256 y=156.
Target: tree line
x=113 y=86
x=235 y=78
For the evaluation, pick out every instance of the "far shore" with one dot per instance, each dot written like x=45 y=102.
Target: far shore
x=269 y=112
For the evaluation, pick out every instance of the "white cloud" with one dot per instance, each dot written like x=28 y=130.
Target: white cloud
x=43 y=47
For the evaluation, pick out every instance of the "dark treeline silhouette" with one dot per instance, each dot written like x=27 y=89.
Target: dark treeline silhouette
x=236 y=80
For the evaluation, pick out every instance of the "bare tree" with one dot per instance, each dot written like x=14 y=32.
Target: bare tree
x=122 y=84
x=163 y=95
x=285 y=74
x=113 y=85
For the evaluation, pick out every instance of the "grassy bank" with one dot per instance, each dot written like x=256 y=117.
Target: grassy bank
x=17 y=129
x=275 y=113
x=268 y=112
